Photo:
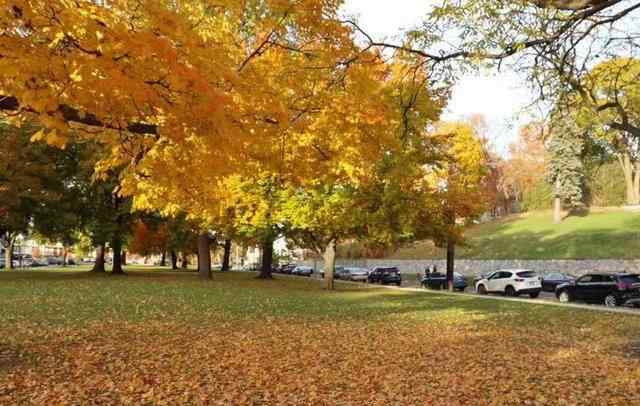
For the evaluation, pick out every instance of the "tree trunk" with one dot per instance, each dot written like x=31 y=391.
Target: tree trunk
x=204 y=255
x=557 y=211
x=116 y=247
x=124 y=258
x=226 y=256
x=627 y=170
x=8 y=254
x=185 y=261
x=174 y=260
x=557 y=205
x=98 y=266
x=65 y=256
x=163 y=259
x=267 y=259
x=451 y=255
x=329 y=257
x=636 y=184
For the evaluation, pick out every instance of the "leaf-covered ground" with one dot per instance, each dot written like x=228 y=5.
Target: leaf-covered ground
x=161 y=338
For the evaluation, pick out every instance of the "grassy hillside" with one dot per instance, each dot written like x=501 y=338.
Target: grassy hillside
x=599 y=235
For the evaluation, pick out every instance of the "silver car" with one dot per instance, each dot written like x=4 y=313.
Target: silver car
x=356 y=274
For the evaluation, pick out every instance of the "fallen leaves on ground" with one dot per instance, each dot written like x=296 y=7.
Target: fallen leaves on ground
x=319 y=363
x=358 y=348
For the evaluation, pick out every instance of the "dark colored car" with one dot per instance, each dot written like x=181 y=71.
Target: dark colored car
x=38 y=262
x=302 y=271
x=341 y=273
x=611 y=289
x=54 y=260
x=551 y=280
x=385 y=276
x=286 y=269
x=437 y=280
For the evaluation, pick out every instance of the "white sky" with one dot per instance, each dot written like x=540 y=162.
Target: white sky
x=500 y=97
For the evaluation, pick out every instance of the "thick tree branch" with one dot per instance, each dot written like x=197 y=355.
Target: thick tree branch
x=568 y=4
x=70 y=114
x=626 y=127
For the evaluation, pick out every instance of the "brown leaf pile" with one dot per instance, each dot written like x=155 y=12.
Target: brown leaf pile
x=312 y=363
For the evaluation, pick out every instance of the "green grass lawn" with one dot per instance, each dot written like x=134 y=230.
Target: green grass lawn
x=158 y=337
x=599 y=235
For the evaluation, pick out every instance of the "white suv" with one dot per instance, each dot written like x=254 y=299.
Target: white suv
x=511 y=282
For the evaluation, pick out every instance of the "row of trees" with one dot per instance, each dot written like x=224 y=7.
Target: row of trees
x=53 y=194
x=59 y=196
x=268 y=117
x=253 y=120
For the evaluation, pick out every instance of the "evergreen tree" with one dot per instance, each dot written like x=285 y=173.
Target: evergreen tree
x=566 y=172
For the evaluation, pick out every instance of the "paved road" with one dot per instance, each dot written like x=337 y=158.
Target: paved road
x=546 y=298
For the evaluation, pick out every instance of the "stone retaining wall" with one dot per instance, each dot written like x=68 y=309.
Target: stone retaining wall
x=472 y=267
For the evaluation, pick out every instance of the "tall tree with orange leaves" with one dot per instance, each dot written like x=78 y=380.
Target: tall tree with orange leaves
x=188 y=92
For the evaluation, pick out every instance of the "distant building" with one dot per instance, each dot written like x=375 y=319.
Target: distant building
x=25 y=246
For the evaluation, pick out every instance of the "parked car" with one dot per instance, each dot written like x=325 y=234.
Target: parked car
x=611 y=289
x=250 y=267
x=38 y=262
x=551 y=280
x=483 y=275
x=511 y=282
x=341 y=272
x=302 y=271
x=385 y=276
x=22 y=260
x=54 y=260
x=286 y=268
x=355 y=274
x=437 y=280
x=337 y=272
x=18 y=261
